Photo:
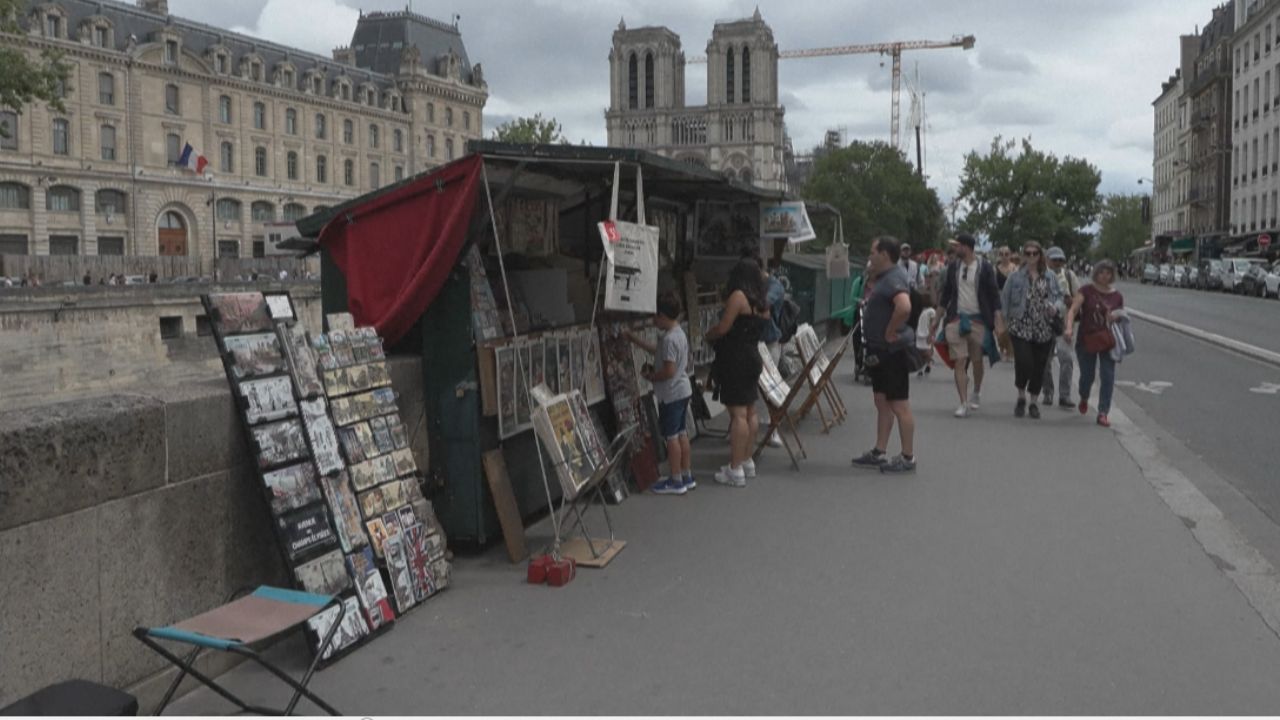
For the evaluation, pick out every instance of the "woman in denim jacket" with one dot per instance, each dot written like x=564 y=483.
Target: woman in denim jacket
x=1034 y=309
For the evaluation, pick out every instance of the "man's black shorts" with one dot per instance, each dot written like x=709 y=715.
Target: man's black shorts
x=891 y=376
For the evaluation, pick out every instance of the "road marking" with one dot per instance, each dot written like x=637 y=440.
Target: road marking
x=1267 y=389
x=1222 y=542
x=1155 y=387
x=1252 y=351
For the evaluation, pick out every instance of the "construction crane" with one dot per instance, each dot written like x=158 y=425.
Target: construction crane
x=893 y=49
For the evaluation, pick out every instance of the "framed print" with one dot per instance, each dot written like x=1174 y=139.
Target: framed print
x=324 y=441
x=371 y=503
x=377 y=535
x=346 y=512
x=381 y=434
x=306 y=531
x=364 y=475
x=399 y=435
x=394 y=495
x=379 y=376
x=398 y=571
x=419 y=562
x=351 y=629
x=404 y=462
x=238 y=313
x=359 y=374
x=280 y=306
x=324 y=352
x=292 y=487
x=302 y=361
x=505 y=359
x=254 y=355
x=268 y=399
x=279 y=443
x=351 y=446
x=326 y=575
x=369 y=588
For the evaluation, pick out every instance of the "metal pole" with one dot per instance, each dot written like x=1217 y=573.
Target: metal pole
x=897 y=93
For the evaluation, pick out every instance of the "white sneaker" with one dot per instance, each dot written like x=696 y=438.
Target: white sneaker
x=975 y=400
x=726 y=476
x=775 y=440
x=962 y=411
x=749 y=469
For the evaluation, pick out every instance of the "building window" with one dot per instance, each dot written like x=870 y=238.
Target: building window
x=228 y=210
x=224 y=110
x=228 y=157
x=110 y=246
x=173 y=148
x=291 y=121
x=228 y=248
x=370 y=98
x=61 y=137
x=106 y=88
x=317 y=85
x=255 y=71
x=346 y=91
x=448 y=116
x=14 y=196
x=395 y=103
x=746 y=74
x=101 y=36
x=431 y=112
x=291 y=165
x=222 y=65
x=728 y=76
x=171 y=100
x=293 y=212
x=648 y=80
x=64 y=245
x=61 y=198
x=466 y=120
x=109 y=202
x=259 y=246
x=52 y=26
x=171 y=51
x=397 y=140
x=431 y=146
x=448 y=148
x=288 y=78
x=262 y=211
x=107 y=141
x=322 y=169
x=373 y=136
x=13 y=244
x=348 y=172
x=399 y=173
x=260 y=161
x=375 y=175
x=259 y=116
x=633 y=82
x=8 y=130
x=348 y=132
x=320 y=132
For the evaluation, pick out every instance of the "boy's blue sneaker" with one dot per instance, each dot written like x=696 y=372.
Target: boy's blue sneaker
x=669 y=487
x=690 y=483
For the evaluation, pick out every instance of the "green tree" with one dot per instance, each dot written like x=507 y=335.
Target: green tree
x=877 y=193
x=25 y=78
x=1015 y=195
x=534 y=130
x=1122 y=229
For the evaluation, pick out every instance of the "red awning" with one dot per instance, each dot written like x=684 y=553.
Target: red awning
x=397 y=249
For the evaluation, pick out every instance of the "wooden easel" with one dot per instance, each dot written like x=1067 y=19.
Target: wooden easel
x=780 y=414
x=819 y=379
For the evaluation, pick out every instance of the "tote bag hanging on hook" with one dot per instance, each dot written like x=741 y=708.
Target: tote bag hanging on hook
x=631 y=278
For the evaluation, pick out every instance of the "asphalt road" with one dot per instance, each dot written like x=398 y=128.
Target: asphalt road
x=1247 y=319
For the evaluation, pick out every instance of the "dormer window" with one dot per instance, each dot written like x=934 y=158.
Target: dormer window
x=255 y=71
x=171 y=52
x=288 y=78
x=222 y=64
x=317 y=85
x=101 y=36
x=53 y=25
x=345 y=89
x=371 y=98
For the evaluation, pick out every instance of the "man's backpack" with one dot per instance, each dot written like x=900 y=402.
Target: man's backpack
x=786 y=315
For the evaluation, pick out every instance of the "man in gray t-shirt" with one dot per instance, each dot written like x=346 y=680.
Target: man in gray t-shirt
x=672 y=390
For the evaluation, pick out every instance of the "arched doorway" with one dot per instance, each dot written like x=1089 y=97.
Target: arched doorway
x=171 y=234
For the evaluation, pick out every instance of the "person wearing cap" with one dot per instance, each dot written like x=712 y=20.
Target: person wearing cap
x=970 y=303
x=911 y=267
x=1063 y=351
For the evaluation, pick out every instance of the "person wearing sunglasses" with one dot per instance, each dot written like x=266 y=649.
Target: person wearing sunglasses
x=1034 y=310
x=1004 y=265
x=970 y=303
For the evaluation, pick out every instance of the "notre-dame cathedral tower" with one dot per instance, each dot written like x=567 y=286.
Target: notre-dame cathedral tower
x=740 y=130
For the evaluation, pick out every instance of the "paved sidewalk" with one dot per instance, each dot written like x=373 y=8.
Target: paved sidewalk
x=1027 y=568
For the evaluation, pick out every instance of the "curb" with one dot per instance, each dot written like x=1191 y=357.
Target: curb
x=1250 y=351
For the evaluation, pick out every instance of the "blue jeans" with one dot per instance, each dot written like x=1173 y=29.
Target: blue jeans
x=1088 y=366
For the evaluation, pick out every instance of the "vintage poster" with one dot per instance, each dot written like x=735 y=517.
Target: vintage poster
x=787 y=220
x=280 y=307
x=405 y=464
x=254 y=355
x=279 y=443
x=485 y=322
x=556 y=429
x=302 y=361
x=337 y=382
x=398 y=571
x=346 y=512
x=267 y=399
x=631 y=279
x=586 y=429
x=424 y=582
x=524 y=364
x=370 y=589
x=239 y=313
x=305 y=531
x=291 y=487
x=505 y=360
x=594 y=369
x=384 y=401
x=340 y=343
x=352 y=628
x=378 y=534
x=351 y=446
x=326 y=575
x=399 y=436
x=407 y=517
x=379 y=376
x=551 y=366
x=381 y=435
x=564 y=363
x=533 y=226
x=324 y=441
x=372 y=504
x=394 y=495
x=324 y=352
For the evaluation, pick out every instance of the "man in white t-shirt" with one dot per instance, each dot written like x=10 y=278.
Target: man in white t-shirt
x=970 y=304
x=909 y=265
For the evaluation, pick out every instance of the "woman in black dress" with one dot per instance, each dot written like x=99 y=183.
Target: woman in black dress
x=738 y=365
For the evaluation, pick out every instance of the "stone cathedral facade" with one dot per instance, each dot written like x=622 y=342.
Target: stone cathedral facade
x=739 y=132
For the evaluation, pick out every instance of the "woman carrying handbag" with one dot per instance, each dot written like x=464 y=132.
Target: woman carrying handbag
x=1096 y=306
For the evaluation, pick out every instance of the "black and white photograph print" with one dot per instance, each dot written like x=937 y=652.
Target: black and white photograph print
x=398 y=570
x=324 y=352
x=279 y=443
x=405 y=464
x=280 y=307
x=359 y=377
x=324 y=441
x=399 y=436
x=350 y=631
x=351 y=445
x=267 y=399
x=326 y=575
x=346 y=512
x=407 y=517
x=291 y=487
x=385 y=401
x=504 y=358
x=364 y=433
x=302 y=361
x=364 y=475
x=381 y=434
x=337 y=382
x=239 y=313
x=254 y=355
x=385 y=468
x=379 y=376
x=394 y=495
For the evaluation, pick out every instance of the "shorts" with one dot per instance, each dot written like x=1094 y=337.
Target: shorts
x=891 y=376
x=963 y=347
x=673 y=418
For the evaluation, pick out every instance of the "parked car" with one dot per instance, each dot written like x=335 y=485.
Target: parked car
x=1233 y=282
x=1150 y=274
x=1254 y=280
x=1166 y=274
x=1178 y=276
x=1211 y=272
x=1272 y=282
x=1193 y=277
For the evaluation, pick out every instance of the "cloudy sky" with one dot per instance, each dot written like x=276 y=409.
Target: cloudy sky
x=1077 y=76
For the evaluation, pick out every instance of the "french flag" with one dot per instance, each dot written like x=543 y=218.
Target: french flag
x=192 y=160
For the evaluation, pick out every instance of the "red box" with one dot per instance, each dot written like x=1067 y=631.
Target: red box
x=560 y=573
x=538 y=569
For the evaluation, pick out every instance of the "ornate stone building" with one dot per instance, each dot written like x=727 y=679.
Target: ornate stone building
x=285 y=131
x=739 y=132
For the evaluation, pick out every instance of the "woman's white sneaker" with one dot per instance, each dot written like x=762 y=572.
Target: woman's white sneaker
x=727 y=476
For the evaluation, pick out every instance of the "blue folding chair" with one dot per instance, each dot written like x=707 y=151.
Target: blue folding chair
x=262 y=614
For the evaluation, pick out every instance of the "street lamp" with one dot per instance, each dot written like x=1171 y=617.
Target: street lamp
x=1148 y=181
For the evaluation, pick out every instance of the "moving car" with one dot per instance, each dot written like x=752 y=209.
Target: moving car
x=1150 y=273
x=1166 y=275
x=1211 y=272
x=1236 y=268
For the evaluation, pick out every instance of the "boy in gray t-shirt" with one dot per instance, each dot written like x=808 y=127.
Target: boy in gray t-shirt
x=672 y=390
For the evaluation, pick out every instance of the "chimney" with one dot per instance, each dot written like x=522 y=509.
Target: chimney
x=159 y=7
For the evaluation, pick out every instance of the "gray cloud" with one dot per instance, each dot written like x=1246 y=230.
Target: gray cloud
x=1001 y=60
